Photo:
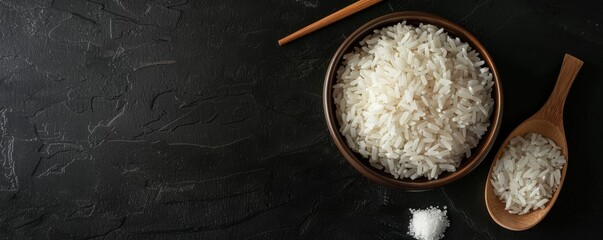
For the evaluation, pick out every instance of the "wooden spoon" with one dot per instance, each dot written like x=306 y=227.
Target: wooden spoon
x=548 y=122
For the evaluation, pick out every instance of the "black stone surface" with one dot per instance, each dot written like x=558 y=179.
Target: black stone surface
x=175 y=119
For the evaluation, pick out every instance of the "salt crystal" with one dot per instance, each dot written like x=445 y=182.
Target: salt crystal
x=428 y=224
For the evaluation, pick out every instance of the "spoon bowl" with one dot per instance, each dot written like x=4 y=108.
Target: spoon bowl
x=548 y=122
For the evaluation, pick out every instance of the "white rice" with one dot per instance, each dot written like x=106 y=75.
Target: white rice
x=528 y=173
x=413 y=100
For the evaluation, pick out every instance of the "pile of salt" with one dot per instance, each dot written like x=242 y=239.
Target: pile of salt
x=428 y=224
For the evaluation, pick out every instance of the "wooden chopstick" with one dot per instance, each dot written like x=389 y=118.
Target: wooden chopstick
x=341 y=14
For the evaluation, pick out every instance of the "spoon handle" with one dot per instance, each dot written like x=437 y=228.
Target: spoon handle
x=553 y=108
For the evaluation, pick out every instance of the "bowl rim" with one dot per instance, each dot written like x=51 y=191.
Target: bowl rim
x=467 y=164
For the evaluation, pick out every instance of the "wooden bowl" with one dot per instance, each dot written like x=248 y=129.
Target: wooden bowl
x=360 y=163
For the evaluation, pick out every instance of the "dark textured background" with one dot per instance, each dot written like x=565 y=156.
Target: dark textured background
x=159 y=119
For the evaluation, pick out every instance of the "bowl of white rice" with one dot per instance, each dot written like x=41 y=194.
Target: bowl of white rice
x=412 y=100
